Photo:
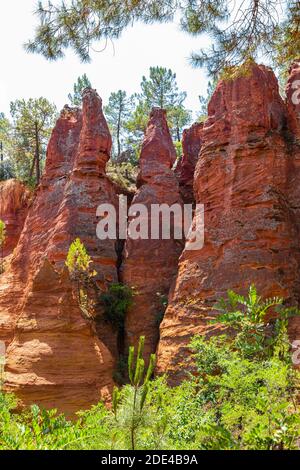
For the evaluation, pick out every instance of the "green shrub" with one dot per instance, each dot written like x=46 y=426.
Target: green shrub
x=2 y=241
x=2 y=233
x=241 y=398
x=245 y=395
x=81 y=273
x=116 y=302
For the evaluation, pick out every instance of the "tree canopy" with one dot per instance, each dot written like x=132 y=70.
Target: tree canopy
x=6 y=168
x=33 y=121
x=159 y=89
x=117 y=113
x=75 y=98
x=239 y=30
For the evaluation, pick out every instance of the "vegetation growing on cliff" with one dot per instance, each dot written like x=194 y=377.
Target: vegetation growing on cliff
x=242 y=395
x=2 y=240
x=116 y=301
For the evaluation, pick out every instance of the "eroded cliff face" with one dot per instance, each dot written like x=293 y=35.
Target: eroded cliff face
x=185 y=169
x=243 y=178
x=14 y=202
x=149 y=266
x=244 y=166
x=54 y=357
x=293 y=100
x=293 y=112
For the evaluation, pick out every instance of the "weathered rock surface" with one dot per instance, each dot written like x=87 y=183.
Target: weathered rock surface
x=150 y=265
x=185 y=169
x=54 y=357
x=242 y=178
x=14 y=202
x=293 y=109
x=293 y=99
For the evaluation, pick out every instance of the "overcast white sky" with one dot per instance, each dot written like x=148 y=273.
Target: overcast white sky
x=25 y=75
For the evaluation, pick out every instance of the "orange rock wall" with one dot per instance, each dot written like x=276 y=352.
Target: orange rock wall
x=14 y=202
x=243 y=178
x=150 y=266
x=54 y=357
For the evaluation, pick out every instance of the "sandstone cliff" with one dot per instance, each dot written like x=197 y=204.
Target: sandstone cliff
x=14 y=201
x=54 y=357
x=150 y=265
x=293 y=111
x=185 y=169
x=243 y=164
x=242 y=178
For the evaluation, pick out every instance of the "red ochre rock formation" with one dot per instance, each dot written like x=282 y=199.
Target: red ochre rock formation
x=150 y=265
x=185 y=169
x=14 y=202
x=293 y=99
x=54 y=358
x=243 y=178
x=293 y=108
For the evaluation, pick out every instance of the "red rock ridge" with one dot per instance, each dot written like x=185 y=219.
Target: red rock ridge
x=14 y=201
x=242 y=178
x=54 y=357
x=150 y=265
x=293 y=99
x=185 y=168
x=293 y=110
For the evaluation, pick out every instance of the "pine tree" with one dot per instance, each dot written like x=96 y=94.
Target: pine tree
x=6 y=167
x=129 y=406
x=239 y=30
x=204 y=100
x=82 y=83
x=33 y=121
x=159 y=89
x=117 y=113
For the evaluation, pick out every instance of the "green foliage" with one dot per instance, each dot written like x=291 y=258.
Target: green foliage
x=82 y=83
x=160 y=89
x=129 y=406
x=116 y=302
x=240 y=403
x=204 y=100
x=246 y=392
x=6 y=144
x=237 y=399
x=78 y=260
x=117 y=113
x=123 y=173
x=178 y=148
x=2 y=233
x=264 y=28
x=81 y=272
x=178 y=119
x=247 y=316
x=33 y=121
x=287 y=43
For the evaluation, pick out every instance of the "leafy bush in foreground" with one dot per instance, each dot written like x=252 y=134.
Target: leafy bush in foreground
x=244 y=396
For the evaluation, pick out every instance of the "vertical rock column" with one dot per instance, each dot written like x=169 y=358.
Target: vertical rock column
x=150 y=265
x=241 y=178
x=185 y=169
x=14 y=201
x=293 y=108
x=54 y=357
